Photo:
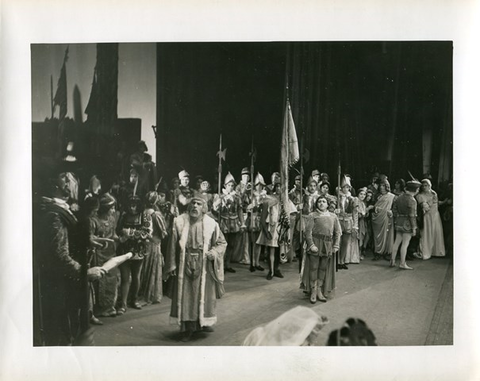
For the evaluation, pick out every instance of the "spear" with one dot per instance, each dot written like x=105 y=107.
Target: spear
x=221 y=156
x=339 y=171
x=252 y=222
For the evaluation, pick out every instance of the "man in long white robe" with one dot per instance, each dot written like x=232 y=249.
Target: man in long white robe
x=195 y=261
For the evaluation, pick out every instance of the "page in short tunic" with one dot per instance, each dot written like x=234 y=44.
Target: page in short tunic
x=193 y=263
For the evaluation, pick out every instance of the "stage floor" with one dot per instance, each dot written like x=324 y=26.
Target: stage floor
x=401 y=307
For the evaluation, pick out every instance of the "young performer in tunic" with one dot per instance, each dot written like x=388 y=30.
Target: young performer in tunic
x=268 y=236
x=405 y=217
x=230 y=214
x=243 y=189
x=253 y=221
x=322 y=235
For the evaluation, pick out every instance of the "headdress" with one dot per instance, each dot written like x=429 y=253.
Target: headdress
x=228 y=179
x=259 y=179
x=142 y=143
x=199 y=199
x=345 y=181
x=152 y=198
x=107 y=200
x=324 y=183
x=413 y=185
x=245 y=171
x=315 y=172
x=183 y=173
x=428 y=181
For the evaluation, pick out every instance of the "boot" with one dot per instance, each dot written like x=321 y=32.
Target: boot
x=313 y=294
x=320 y=295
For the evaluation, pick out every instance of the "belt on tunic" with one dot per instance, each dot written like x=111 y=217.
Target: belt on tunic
x=404 y=215
x=323 y=237
x=194 y=251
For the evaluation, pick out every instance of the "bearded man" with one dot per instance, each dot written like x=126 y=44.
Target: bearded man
x=195 y=261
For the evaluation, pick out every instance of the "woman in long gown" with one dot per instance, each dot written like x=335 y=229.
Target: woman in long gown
x=363 y=233
x=431 y=235
x=107 y=290
x=151 y=289
x=382 y=223
x=347 y=213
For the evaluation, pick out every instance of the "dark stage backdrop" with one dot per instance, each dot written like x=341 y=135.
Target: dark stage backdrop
x=375 y=106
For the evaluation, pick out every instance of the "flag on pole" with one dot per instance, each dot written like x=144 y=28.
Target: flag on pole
x=289 y=154
x=60 y=98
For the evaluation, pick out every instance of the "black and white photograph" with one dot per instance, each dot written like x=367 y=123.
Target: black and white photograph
x=320 y=174
x=189 y=195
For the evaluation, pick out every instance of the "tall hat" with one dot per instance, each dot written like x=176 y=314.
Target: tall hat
x=345 y=181
x=315 y=172
x=259 y=179
x=228 y=179
x=183 y=173
x=245 y=171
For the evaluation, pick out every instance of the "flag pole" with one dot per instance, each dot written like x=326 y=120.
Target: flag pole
x=51 y=95
x=339 y=171
x=220 y=167
x=252 y=222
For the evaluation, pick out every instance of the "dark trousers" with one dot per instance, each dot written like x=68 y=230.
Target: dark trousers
x=231 y=239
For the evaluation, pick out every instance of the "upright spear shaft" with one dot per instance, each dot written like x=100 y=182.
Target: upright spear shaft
x=252 y=222
x=51 y=94
x=220 y=167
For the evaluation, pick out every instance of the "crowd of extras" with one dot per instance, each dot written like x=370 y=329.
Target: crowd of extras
x=324 y=228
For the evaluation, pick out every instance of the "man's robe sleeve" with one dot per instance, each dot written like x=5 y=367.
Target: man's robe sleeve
x=170 y=257
x=60 y=258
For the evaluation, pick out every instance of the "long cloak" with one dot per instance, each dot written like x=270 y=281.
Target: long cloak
x=212 y=271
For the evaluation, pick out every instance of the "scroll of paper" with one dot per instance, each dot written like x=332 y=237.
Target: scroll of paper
x=116 y=261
